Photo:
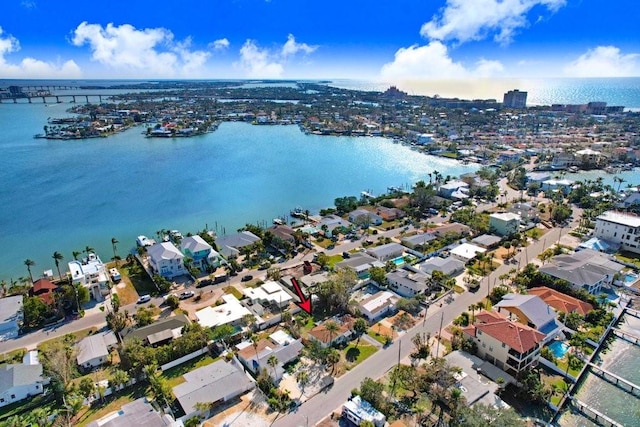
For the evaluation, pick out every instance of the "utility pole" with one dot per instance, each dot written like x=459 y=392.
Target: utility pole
x=439 y=333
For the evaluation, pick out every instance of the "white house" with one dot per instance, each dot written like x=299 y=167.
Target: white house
x=94 y=350
x=20 y=381
x=11 y=316
x=378 y=305
x=269 y=293
x=620 y=229
x=166 y=260
x=357 y=410
x=407 y=283
x=504 y=224
x=91 y=273
x=387 y=252
x=231 y=312
x=466 y=252
x=202 y=254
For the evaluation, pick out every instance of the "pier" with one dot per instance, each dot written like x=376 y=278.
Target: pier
x=36 y=98
x=632 y=312
x=633 y=339
x=614 y=379
x=593 y=414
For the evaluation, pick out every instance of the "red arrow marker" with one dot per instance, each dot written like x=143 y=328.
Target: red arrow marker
x=305 y=303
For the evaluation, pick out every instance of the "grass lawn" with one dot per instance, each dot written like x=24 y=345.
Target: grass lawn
x=26 y=406
x=333 y=260
x=458 y=289
x=233 y=291
x=111 y=404
x=354 y=355
x=78 y=335
x=629 y=258
x=95 y=376
x=563 y=363
x=324 y=243
x=138 y=278
x=174 y=375
x=14 y=356
x=376 y=336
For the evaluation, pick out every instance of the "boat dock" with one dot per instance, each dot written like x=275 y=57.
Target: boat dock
x=593 y=414
x=614 y=379
x=633 y=339
x=632 y=312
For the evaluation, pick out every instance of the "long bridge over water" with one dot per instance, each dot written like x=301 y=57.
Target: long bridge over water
x=49 y=99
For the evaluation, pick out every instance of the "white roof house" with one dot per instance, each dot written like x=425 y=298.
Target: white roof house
x=94 y=350
x=357 y=410
x=230 y=312
x=20 y=381
x=11 y=316
x=270 y=292
x=378 y=304
x=466 y=252
x=91 y=273
x=194 y=244
x=620 y=218
x=166 y=260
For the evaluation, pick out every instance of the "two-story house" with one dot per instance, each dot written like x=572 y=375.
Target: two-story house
x=91 y=273
x=166 y=260
x=201 y=253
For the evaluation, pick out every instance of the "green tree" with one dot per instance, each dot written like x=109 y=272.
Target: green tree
x=119 y=378
x=76 y=254
x=144 y=316
x=373 y=392
x=331 y=327
x=35 y=311
x=332 y=359
x=378 y=275
x=273 y=362
x=359 y=328
x=117 y=321
x=87 y=387
x=57 y=257
x=173 y=302
x=223 y=333
x=29 y=263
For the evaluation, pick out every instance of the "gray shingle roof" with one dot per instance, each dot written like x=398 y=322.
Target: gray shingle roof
x=157 y=327
x=95 y=346
x=16 y=375
x=137 y=413
x=447 y=265
x=532 y=306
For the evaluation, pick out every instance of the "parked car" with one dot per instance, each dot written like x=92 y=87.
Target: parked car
x=203 y=283
x=143 y=299
x=186 y=294
x=246 y=278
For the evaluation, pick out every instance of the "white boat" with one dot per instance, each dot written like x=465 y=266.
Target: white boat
x=144 y=241
x=278 y=221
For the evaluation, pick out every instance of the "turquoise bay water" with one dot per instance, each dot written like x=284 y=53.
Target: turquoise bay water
x=65 y=195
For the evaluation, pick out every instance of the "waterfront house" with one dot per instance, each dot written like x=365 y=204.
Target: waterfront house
x=327 y=338
x=228 y=313
x=390 y=214
x=283 y=232
x=561 y=302
x=11 y=316
x=19 y=381
x=329 y=223
x=91 y=273
x=504 y=224
x=94 y=350
x=202 y=254
x=279 y=344
x=454 y=190
x=378 y=305
x=212 y=384
x=537 y=177
x=512 y=347
x=449 y=266
x=45 y=290
x=407 y=283
x=386 y=252
x=137 y=413
x=364 y=217
x=562 y=185
x=357 y=411
x=586 y=269
x=530 y=310
x=166 y=260
x=229 y=246
x=619 y=229
x=159 y=332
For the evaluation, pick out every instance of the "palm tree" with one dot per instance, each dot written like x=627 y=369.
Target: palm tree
x=76 y=254
x=29 y=263
x=331 y=327
x=273 y=362
x=88 y=249
x=113 y=246
x=254 y=342
x=57 y=257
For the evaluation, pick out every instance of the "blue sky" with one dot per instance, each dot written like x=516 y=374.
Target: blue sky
x=404 y=39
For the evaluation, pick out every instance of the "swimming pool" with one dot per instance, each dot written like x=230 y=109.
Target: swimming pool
x=398 y=261
x=630 y=278
x=559 y=348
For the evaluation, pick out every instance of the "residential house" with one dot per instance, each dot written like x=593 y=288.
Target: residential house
x=332 y=224
x=94 y=350
x=19 y=381
x=212 y=384
x=357 y=411
x=509 y=156
x=166 y=260
x=229 y=246
x=137 y=413
x=561 y=302
x=631 y=201
x=526 y=212
x=228 y=313
x=420 y=240
x=538 y=177
x=511 y=346
x=390 y=214
x=562 y=185
x=159 y=332
x=270 y=293
x=11 y=316
x=364 y=217
x=586 y=269
x=487 y=241
x=283 y=232
x=280 y=345
x=453 y=228
x=45 y=290
x=91 y=273
x=589 y=158
x=620 y=229
x=454 y=190
x=327 y=338
x=386 y=252
x=530 y=310
x=360 y=263
x=378 y=305
x=450 y=266
x=201 y=253
x=504 y=224
x=466 y=252
x=407 y=283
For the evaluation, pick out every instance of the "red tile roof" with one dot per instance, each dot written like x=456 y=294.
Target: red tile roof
x=517 y=336
x=43 y=289
x=560 y=301
x=321 y=333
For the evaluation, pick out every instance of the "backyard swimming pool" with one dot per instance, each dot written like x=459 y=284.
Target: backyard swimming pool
x=559 y=348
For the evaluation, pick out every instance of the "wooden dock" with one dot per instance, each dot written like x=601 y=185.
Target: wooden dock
x=593 y=414
x=616 y=380
x=632 y=312
x=633 y=339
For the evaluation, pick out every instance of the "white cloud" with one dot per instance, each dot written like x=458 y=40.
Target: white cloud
x=257 y=63
x=31 y=68
x=291 y=47
x=433 y=61
x=220 y=44
x=133 y=52
x=604 y=61
x=465 y=20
